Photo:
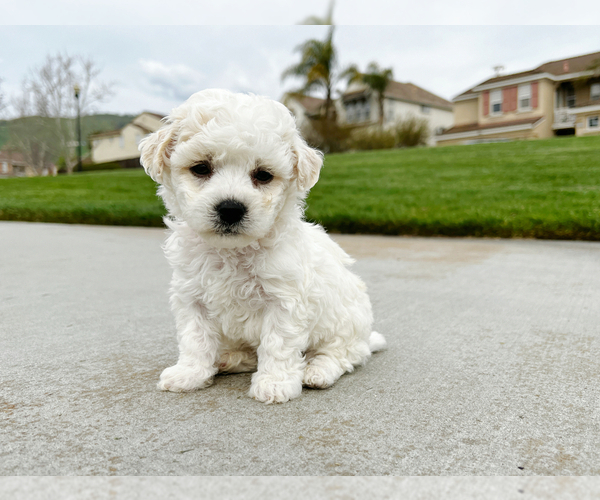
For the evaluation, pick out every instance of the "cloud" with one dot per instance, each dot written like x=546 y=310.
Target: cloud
x=176 y=81
x=278 y=12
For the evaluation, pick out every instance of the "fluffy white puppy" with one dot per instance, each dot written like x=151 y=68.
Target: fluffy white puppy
x=254 y=286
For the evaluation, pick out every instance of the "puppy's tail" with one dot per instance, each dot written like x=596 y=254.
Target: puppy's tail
x=377 y=342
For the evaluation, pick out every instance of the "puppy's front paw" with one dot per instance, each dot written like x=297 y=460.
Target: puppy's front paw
x=267 y=389
x=180 y=378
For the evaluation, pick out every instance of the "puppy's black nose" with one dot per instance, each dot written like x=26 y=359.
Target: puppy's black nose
x=230 y=211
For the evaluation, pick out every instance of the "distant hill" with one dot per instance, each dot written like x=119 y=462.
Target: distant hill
x=89 y=125
x=93 y=124
x=3 y=133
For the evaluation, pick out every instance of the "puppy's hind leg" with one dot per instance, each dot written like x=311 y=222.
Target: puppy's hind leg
x=237 y=361
x=331 y=360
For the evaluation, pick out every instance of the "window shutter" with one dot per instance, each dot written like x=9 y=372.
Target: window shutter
x=509 y=98
x=506 y=100
x=486 y=103
x=534 y=94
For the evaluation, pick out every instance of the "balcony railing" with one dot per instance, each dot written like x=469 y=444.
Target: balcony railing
x=563 y=118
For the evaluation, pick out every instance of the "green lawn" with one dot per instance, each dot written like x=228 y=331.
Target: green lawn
x=539 y=189
x=112 y=197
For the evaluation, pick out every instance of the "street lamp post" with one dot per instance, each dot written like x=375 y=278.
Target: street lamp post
x=79 y=166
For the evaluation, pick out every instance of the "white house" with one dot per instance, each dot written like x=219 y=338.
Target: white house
x=121 y=146
x=359 y=105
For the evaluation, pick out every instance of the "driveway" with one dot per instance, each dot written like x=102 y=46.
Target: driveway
x=491 y=369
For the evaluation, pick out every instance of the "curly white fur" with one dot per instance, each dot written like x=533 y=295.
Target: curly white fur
x=272 y=294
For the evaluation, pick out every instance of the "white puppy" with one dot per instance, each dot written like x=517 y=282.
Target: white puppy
x=254 y=286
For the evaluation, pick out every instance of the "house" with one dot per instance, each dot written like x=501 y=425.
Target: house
x=121 y=146
x=304 y=108
x=557 y=98
x=359 y=106
x=14 y=164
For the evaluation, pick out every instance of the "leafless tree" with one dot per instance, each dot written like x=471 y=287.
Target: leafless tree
x=2 y=99
x=48 y=101
x=31 y=135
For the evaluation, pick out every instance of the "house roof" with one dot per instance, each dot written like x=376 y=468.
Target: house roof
x=310 y=104
x=13 y=157
x=108 y=133
x=408 y=92
x=475 y=126
x=146 y=130
x=559 y=67
x=157 y=115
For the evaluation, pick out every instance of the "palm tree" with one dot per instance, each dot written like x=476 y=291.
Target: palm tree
x=320 y=21
x=318 y=68
x=376 y=78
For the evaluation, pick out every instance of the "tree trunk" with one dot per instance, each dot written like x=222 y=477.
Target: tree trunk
x=380 y=100
x=328 y=103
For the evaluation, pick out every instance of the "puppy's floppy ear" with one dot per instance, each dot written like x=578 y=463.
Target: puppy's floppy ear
x=156 y=150
x=308 y=164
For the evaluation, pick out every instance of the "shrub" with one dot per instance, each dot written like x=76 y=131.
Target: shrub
x=88 y=166
x=371 y=138
x=412 y=132
x=110 y=165
x=327 y=135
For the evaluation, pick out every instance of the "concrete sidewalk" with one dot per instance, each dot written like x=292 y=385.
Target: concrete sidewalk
x=492 y=365
x=299 y=488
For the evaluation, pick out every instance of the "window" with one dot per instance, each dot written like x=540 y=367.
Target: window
x=571 y=97
x=496 y=102
x=525 y=97
x=595 y=91
x=358 y=111
x=390 y=114
x=593 y=122
x=425 y=109
x=366 y=110
x=350 y=112
x=121 y=142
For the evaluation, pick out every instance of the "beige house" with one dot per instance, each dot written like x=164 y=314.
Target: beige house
x=359 y=105
x=557 y=98
x=121 y=146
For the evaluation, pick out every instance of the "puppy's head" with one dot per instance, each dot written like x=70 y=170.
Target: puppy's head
x=231 y=165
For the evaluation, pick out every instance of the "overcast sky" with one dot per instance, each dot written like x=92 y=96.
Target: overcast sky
x=156 y=67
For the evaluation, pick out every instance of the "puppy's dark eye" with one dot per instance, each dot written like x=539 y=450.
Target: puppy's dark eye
x=201 y=170
x=262 y=176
